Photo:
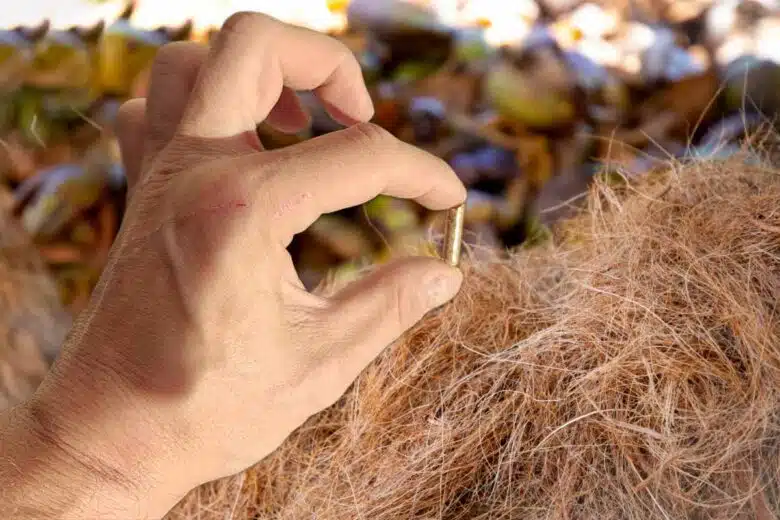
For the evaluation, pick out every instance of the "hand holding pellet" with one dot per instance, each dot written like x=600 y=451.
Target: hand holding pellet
x=202 y=344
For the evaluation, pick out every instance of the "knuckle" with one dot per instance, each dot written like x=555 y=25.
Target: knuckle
x=371 y=135
x=128 y=113
x=345 y=54
x=350 y=63
x=167 y=56
x=245 y=22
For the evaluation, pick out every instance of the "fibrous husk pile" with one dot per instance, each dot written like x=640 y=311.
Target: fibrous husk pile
x=630 y=369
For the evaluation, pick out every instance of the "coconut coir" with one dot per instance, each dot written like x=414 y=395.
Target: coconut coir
x=630 y=369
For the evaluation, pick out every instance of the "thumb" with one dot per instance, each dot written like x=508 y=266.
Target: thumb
x=373 y=312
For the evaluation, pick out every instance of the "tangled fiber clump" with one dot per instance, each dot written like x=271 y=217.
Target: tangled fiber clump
x=631 y=371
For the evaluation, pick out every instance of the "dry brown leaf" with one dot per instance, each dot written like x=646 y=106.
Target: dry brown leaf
x=692 y=99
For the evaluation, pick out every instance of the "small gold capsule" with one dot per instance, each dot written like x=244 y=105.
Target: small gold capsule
x=453 y=234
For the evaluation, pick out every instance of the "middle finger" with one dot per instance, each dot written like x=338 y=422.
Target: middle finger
x=253 y=58
x=174 y=72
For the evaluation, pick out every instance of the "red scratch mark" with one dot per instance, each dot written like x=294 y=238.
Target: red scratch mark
x=225 y=207
x=291 y=204
x=218 y=190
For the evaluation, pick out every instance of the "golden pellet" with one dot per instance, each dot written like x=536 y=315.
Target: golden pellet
x=453 y=234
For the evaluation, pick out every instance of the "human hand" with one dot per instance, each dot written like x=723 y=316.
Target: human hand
x=201 y=350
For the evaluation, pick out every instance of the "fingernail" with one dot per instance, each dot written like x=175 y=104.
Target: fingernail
x=443 y=287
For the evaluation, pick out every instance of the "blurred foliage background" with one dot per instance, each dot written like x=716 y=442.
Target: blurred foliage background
x=526 y=99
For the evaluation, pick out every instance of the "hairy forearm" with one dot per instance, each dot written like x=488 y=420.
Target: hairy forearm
x=85 y=447
x=45 y=473
x=42 y=479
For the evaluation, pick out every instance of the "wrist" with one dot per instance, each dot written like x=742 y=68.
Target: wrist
x=116 y=439
x=49 y=471
x=43 y=478
x=40 y=478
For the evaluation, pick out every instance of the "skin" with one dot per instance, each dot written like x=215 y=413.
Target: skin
x=201 y=350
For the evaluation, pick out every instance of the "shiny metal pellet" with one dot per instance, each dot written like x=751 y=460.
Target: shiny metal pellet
x=453 y=234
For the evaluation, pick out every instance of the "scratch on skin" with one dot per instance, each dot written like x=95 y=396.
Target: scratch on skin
x=215 y=190
x=225 y=206
x=290 y=205
x=217 y=208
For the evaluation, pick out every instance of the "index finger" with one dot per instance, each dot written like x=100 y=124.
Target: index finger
x=344 y=169
x=253 y=58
